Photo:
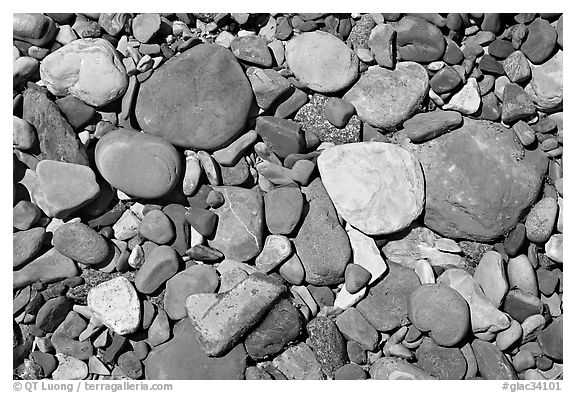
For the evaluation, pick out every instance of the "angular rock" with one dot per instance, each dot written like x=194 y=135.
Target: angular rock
x=252 y=49
x=551 y=340
x=517 y=67
x=160 y=265
x=491 y=277
x=466 y=100
x=546 y=86
x=382 y=44
x=354 y=327
x=268 y=85
x=516 y=105
x=282 y=136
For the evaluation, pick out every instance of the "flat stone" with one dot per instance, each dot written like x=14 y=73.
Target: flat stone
x=24 y=135
x=386 y=98
x=442 y=311
x=299 y=363
x=209 y=86
x=492 y=364
x=392 y=368
x=129 y=363
x=520 y=305
x=233 y=313
x=34 y=28
x=65 y=338
x=157 y=227
x=126 y=227
x=551 y=340
x=354 y=327
x=445 y=80
x=459 y=201
x=230 y=155
x=321 y=61
x=356 y=277
x=506 y=338
x=52 y=313
x=491 y=275
x=24 y=215
x=115 y=303
x=177 y=214
x=327 y=344
x=183 y=358
x=429 y=125
x=516 y=105
x=500 y=48
x=123 y=159
x=26 y=245
x=338 y=112
x=521 y=275
x=240 y=224
x=160 y=265
x=282 y=136
x=418 y=40
x=540 y=42
x=441 y=362
x=252 y=49
x=159 y=330
x=554 y=248
x=490 y=66
x=466 y=100
x=283 y=208
x=541 y=220
x=49 y=267
x=71 y=70
x=368 y=169
x=350 y=372
x=365 y=254
x=81 y=243
x=321 y=243
x=382 y=44
x=268 y=85
x=76 y=111
x=386 y=303
x=277 y=249
x=292 y=270
x=546 y=86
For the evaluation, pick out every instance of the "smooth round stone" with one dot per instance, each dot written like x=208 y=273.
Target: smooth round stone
x=157 y=227
x=338 y=112
x=356 y=277
x=34 y=28
x=81 y=243
x=523 y=360
x=283 y=209
x=441 y=362
x=89 y=69
x=506 y=338
x=115 y=303
x=418 y=40
x=24 y=215
x=540 y=42
x=203 y=221
x=547 y=281
x=376 y=187
x=195 y=279
x=25 y=245
x=321 y=61
x=76 y=111
x=541 y=220
x=442 y=311
x=429 y=125
x=52 y=313
x=517 y=67
x=546 y=86
x=160 y=265
x=500 y=49
x=350 y=371
x=554 y=248
x=491 y=275
x=130 y=365
x=144 y=26
x=459 y=202
x=445 y=80
x=386 y=98
x=123 y=159
x=211 y=92
x=292 y=270
x=521 y=275
x=47 y=361
x=515 y=240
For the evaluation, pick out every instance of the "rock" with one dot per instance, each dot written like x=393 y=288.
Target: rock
x=252 y=49
x=240 y=227
x=321 y=61
x=65 y=337
x=282 y=136
x=500 y=48
x=123 y=159
x=183 y=358
x=350 y=372
x=129 y=363
x=76 y=111
x=49 y=267
x=540 y=42
x=485 y=318
x=441 y=362
x=442 y=311
x=159 y=330
x=145 y=26
x=452 y=54
x=34 y=28
x=24 y=135
x=386 y=98
x=356 y=277
x=506 y=338
x=445 y=80
x=299 y=363
x=418 y=40
x=177 y=214
x=492 y=364
x=232 y=154
x=157 y=227
x=126 y=227
x=429 y=125
x=491 y=277
x=321 y=243
x=115 y=303
x=551 y=340
x=70 y=71
x=521 y=275
x=65 y=187
x=327 y=344
x=213 y=94
x=281 y=325
x=490 y=66
x=517 y=67
x=516 y=105
x=546 y=86
x=277 y=249
x=47 y=362
x=520 y=304
x=459 y=202
x=295 y=99
x=392 y=368
x=52 y=313
x=338 y=112
x=292 y=270
x=70 y=368
x=382 y=44
x=554 y=248
x=268 y=85
x=368 y=265
x=26 y=245
x=467 y=100
x=354 y=327
x=222 y=320
x=386 y=303
x=24 y=215
x=81 y=243
x=203 y=221
x=160 y=265
x=541 y=220
x=376 y=212
x=283 y=209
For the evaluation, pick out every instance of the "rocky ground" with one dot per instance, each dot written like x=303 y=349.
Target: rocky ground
x=287 y=196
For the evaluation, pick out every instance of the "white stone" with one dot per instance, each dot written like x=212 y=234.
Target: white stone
x=521 y=275
x=491 y=275
x=467 y=100
x=424 y=272
x=306 y=296
x=376 y=187
x=127 y=226
x=116 y=304
x=365 y=253
x=499 y=85
x=345 y=299
x=69 y=368
x=447 y=245
x=224 y=39
x=192 y=173
x=210 y=167
x=65 y=35
x=136 y=258
x=546 y=86
x=554 y=249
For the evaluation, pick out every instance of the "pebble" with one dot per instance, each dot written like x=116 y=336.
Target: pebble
x=546 y=87
x=123 y=159
x=398 y=95
x=177 y=214
x=541 y=220
x=327 y=344
x=520 y=305
x=554 y=248
x=354 y=327
x=159 y=330
x=65 y=337
x=523 y=360
x=321 y=61
x=367 y=204
x=70 y=368
x=338 y=112
x=226 y=321
x=282 y=136
x=517 y=67
x=350 y=372
x=418 y=40
x=429 y=125
x=531 y=327
x=26 y=245
x=356 y=277
x=506 y=338
x=24 y=135
x=540 y=42
x=382 y=42
x=516 y=104
x=160 y=265
x=48 y=267
x=491 y=275
x=24 y=215
x=292 y=270
x=492 y=363
x=252 y=49
x=126 y=227
x=36 y=29
x=65 y=187
x=203 y=221
x=81 y=243
x=157 y=227
x=441 y=362
x=115 y=302
x=283 y=208
x=467 y=100
x=76 y=111
x=392 y=368
x=445 y=80
x=145 y=26
x=268 y=86
x=521 y=275
x=299 y=363
x=366 y=256
x=524 y=133
x=291 y=104
x=52 y=313
x=277 y=249
x=551 y=340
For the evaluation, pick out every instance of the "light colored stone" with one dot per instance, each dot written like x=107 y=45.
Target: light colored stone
x=89 y=69
x=390 y=368
x=210 y=167
x=345 y=299
x=299 y=363
x=532 y=326
x=546 y=86
x=192 y=173
x=447 y=245
x=467 y=100
x=381 y=43
x=424 y=272
x=306 y=296
x=136 y=258
x=127 y=226
x=554 y=248
x=377 y=187
x=365 y=253
x=491 y=275
x=277 y=249
x=521 y=275
x=517 y=67
x=230 y=154
x=116 y=304
x=499 y=85
x=507 y=337
x=70 y=368
x=541 y=220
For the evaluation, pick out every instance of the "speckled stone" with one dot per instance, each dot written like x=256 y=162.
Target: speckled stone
x=327 y=343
